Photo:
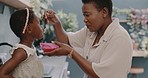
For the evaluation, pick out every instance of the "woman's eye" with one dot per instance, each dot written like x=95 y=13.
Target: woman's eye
x=86 y=14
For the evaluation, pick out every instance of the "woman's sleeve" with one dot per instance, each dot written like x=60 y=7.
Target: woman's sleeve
x=77 y=39
x=116 y=59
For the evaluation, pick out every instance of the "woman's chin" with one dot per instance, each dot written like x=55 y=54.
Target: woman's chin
x=91 y=30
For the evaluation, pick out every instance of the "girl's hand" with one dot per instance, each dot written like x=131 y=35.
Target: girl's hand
x=50 y=17
x=63 y=49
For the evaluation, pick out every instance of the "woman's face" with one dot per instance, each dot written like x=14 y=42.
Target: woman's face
x=93 y=17
x=37 y=31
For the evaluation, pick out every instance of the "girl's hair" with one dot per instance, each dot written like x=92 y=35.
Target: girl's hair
x=100 y=4
x=18 y=19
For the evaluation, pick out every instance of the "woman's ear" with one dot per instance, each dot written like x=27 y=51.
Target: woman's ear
x=105 y=12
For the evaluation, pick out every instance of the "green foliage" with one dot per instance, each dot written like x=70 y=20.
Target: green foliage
x=69 y=21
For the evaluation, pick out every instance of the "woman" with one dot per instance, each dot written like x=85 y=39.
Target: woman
x=103 y=49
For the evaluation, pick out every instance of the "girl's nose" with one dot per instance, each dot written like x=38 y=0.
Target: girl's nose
x=44 y=30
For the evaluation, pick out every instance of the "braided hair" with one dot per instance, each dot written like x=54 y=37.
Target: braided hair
x=18 y=19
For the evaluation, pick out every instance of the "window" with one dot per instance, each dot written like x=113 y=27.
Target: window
x=1 y=8
x=11 y=9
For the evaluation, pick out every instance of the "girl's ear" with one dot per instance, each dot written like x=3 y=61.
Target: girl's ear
x=105 y=12
x=29 y=29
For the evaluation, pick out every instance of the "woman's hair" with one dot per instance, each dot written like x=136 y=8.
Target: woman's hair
x=100 y=4
x=18 y=19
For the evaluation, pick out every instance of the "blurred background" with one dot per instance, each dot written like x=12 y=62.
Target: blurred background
x=133 y=15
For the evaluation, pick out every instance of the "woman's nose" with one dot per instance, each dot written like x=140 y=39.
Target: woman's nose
x=85 y=20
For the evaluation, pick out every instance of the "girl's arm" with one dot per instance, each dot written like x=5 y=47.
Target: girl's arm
x=6 y=69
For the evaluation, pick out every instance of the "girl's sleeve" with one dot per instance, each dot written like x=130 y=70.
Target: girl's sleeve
x=16 y=47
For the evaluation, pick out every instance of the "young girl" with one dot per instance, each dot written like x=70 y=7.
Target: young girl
x=24 y=62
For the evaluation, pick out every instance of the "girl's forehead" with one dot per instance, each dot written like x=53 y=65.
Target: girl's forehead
x=35 y=18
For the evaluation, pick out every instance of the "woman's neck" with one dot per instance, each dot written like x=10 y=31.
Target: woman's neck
x=103 y=29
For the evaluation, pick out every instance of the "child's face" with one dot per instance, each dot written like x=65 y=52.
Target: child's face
x=37 y=31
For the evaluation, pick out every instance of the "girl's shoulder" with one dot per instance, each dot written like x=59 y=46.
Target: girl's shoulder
x=29 y=51
x=20 y=54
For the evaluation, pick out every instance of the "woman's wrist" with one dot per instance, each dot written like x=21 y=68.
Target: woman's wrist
x=56 y=23
x=70 y=53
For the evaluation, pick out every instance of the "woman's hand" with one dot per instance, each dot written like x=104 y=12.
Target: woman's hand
x=63 y=49
x=50 y=17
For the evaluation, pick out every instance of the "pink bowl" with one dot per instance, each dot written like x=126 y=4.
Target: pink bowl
x=47 y=47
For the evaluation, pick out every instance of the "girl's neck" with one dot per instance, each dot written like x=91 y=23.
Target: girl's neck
x=28 y=43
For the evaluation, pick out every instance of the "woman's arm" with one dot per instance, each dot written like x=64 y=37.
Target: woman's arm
x=6 y=69
x=59 y=31
x=65 y=49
